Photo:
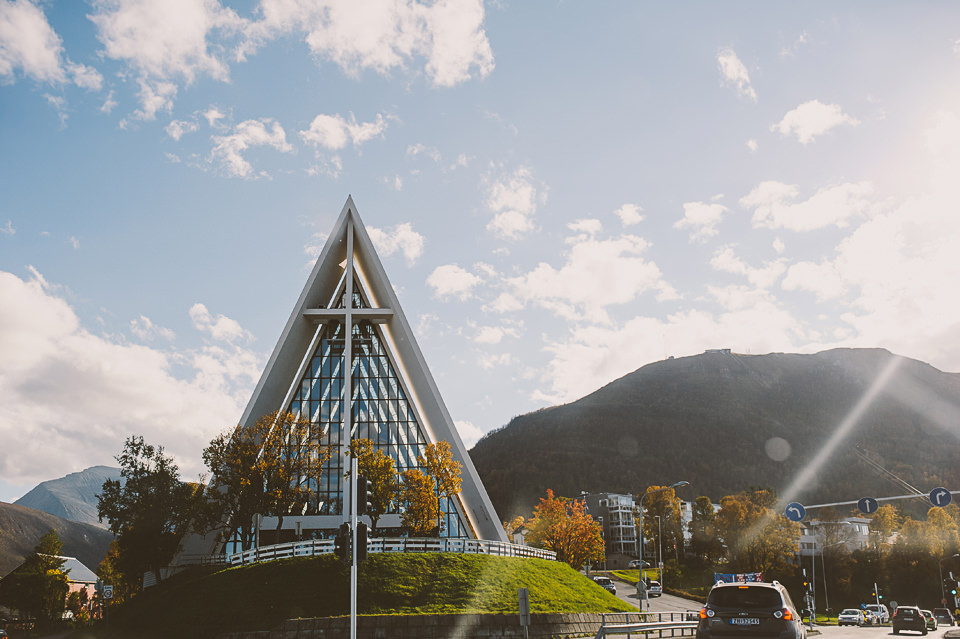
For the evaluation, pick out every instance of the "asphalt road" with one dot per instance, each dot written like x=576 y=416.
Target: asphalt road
x=663 y=603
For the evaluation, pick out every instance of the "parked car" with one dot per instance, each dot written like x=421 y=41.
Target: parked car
x=944 y=616
x=654 y=589
x=606 y=583
x=909 y=618
x=762 y=609
x=634 y=563
x=880 y=611
x=930 y=620
x=851 y=617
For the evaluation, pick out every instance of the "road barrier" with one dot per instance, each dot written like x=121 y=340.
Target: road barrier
x=677 y=624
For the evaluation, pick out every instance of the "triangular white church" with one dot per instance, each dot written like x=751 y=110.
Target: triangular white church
x=394 y=399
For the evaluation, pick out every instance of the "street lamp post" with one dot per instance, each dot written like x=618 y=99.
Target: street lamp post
x=640 y=532
x=659 y=549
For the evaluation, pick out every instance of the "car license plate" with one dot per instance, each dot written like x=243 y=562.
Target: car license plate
x=745 y=621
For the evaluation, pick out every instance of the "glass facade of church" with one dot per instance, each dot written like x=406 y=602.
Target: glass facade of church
x=381 y=412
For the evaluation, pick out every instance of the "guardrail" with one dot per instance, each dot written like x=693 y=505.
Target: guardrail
x=678 y=624
x=312 y=547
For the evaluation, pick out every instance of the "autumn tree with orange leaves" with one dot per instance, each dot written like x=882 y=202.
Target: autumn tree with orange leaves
x=563 y=526
x=262 y=469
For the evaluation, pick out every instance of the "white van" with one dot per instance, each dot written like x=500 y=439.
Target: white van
x=879 y=611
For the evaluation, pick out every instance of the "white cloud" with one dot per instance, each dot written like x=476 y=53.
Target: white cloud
x=164 y=42
x=701 y=218
x=431 y=152
x=146 y=330
x=811 y=119
x=596 y=274
x=385 y=34
x=52 y=366
x=29 y=44
x=8 y=229
x=109 y=104
x=228 y=149
x=830 y=206
x=469 y=433
x=514 y=199
x=220 y=328
x=451 y=280
x=178 y=128
x=74 y=242
x=487 y=361
x=736 y=73
x=752 y=145
x=333 y=132
x=629 y=214
x=821 y=279
x=588 y=227
x=213 y=115
x=592 y=356
x=401 y=238
x=493 y=334
x=763 y=277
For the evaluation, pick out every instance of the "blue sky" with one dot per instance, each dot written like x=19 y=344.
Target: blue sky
x=561 y=193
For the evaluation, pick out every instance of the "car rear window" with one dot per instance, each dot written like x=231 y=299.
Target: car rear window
x=745 y=597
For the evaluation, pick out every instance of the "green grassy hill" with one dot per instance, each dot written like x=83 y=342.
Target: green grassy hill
x=205 y=602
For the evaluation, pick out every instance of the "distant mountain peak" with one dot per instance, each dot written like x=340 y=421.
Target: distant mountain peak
x=73 y=497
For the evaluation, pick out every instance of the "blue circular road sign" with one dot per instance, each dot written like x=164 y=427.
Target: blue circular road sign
x=795 y=511
x=867 y=505
x=940 y=497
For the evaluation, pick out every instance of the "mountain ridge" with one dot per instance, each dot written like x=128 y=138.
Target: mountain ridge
x=21 y=529
x=72 y=497
x=725 y=422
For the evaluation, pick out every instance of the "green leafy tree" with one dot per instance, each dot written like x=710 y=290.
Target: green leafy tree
x=151 y=509
x=420 y=513
x=563 y=526
x=378 y=468
x=667 y=534
x=112 y=572
x=704 y=540
x=758 y=538
x=38 y=587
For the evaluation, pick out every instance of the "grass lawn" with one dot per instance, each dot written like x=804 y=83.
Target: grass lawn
x=204 y=602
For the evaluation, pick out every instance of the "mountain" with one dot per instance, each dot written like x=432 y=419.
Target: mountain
x=21 y=529
x=726 y=422
x=73 y=497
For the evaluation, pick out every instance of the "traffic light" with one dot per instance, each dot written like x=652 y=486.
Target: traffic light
x=341 y=545
x=364 y=496
x=361 y=542
x=950 y=586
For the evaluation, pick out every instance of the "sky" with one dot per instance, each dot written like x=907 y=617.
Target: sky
x=561 y=192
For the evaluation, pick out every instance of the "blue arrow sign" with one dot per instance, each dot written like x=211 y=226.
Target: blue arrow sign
x=940 y=497
x=868 y=505
x=795 y=511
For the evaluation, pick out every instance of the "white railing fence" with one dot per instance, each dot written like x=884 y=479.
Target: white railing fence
x=312 y=547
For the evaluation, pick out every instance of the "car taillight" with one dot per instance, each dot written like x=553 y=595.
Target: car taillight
x=703 y=613
x=786 y=614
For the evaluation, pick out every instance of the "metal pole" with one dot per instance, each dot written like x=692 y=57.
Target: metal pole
x=660 y=550
x=353 y=561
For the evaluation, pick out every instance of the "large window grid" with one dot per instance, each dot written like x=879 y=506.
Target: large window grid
x=381 y=412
